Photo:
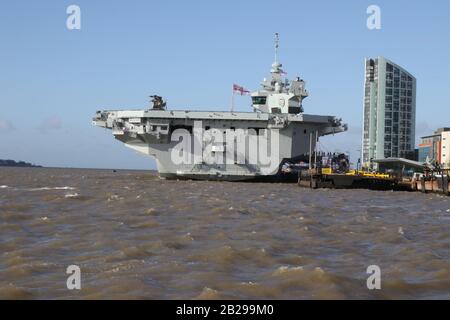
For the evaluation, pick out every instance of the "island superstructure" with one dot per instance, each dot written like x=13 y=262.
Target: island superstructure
x=226 y=145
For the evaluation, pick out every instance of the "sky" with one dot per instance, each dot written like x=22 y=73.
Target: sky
x=53 y=80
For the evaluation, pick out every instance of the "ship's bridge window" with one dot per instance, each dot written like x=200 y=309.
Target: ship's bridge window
x=259 y=100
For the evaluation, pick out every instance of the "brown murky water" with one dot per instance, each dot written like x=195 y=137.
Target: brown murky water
x=135 y=236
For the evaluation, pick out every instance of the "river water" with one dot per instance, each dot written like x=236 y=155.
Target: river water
x=135 y=236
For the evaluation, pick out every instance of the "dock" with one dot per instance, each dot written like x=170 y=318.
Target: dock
x=434 y=184
x=325 y=178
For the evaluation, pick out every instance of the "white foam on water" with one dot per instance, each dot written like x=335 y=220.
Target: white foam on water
x=285 y=270
x=71 y=195
x=4 y=187
x=114 y=197
x=51 y=188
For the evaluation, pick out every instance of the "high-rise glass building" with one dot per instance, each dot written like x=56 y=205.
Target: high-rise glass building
x=389 y=111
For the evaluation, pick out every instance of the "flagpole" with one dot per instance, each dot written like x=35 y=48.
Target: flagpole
x=232 y=98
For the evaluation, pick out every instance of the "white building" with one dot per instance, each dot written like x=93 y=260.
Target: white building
x=436 y=148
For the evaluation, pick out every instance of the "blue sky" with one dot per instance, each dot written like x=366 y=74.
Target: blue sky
x=53 y=80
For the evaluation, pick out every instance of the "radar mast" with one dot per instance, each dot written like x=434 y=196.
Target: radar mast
x=278 y=94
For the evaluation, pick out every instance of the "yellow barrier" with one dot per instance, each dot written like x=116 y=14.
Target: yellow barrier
x=358 y=173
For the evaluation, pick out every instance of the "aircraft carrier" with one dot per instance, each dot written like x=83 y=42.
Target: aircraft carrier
x=227 y=145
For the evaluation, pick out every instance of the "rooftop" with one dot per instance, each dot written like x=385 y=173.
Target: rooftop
x=400 y=161
x=437 y=132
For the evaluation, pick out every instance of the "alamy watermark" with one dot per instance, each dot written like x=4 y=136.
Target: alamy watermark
x=215 y=146
x=374 y=19
x=73 y=21
x=374 y=280
x=74 y=280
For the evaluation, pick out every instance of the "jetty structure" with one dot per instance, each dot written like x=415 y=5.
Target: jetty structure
x=397 y=174
x=227 y=145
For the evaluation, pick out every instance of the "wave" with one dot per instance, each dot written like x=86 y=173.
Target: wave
x=283 y=270
x=72 y=195
x=50 y=188
x=38 y=189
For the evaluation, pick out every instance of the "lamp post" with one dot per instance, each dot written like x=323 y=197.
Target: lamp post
x=359 y=160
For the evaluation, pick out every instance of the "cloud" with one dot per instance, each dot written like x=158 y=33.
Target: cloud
x=50 y=124
x=6 y=126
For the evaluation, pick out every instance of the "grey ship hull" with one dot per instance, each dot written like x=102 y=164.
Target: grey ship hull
x=151 y=132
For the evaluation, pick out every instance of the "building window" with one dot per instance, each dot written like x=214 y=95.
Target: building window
x=395 y=116
x=259 y=100
x=389 y=67
x=396 y=94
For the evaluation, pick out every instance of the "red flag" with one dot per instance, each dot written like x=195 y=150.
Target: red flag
x=241 y=90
